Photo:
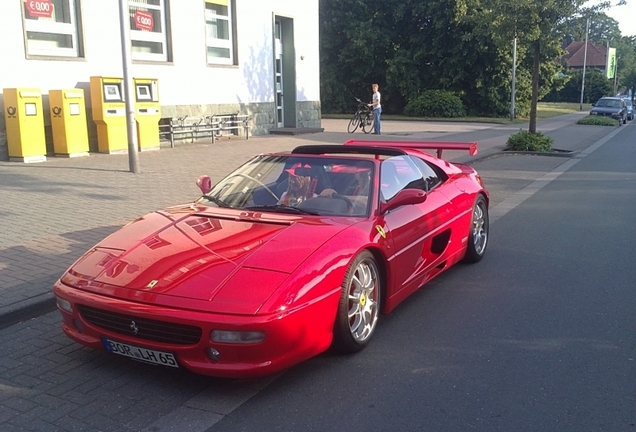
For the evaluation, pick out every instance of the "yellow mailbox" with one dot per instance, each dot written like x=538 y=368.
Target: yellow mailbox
x=25 y=125
x=147 y=113
x=68 y=122
x=109 y=114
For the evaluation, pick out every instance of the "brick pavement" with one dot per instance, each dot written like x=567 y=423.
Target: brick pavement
x=48 y=382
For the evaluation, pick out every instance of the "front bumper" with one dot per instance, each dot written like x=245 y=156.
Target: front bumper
x=292 y=336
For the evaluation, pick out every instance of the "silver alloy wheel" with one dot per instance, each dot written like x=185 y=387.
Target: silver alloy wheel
x=479 y=228
x=363 y=292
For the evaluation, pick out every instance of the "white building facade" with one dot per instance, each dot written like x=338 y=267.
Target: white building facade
x=255 y=57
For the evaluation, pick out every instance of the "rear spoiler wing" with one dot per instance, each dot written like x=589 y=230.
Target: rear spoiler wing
x=419 y=145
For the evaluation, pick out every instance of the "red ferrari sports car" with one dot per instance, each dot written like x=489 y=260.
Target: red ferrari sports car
x=290 y=254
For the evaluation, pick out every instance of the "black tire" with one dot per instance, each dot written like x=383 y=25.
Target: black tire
x=478 y=231
x=359 y=306
x=353 y=123
x=368 y=122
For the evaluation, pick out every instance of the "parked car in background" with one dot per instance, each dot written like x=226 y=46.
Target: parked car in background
x=613 y=107
x=630 y=109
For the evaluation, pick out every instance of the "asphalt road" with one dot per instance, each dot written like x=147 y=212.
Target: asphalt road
x=539 y=336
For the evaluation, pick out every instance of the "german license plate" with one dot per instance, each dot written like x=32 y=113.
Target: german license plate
x=138 y=353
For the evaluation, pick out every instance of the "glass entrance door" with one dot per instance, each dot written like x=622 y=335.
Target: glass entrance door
x=278 y=73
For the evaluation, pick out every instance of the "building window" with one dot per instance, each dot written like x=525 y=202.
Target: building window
x=148 y=32
x=220 y=31
x=51 y=28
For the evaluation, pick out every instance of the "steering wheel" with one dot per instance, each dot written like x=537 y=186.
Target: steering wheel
x=345 y=199
x=257 y=181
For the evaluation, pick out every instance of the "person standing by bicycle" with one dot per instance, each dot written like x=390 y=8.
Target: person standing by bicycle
x=377 y=108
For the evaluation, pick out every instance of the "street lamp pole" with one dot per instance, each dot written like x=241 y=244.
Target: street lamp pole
x=131 y=126
x=587 y=30
x=514 y=79
x=615 y=75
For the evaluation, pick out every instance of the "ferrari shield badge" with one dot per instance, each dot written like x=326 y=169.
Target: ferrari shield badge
x=381 y=231
x=152 y=284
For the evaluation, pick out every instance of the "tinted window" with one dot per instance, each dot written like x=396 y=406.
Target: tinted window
x=431 y=178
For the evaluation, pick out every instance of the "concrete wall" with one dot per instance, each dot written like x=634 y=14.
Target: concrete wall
x=186 y=83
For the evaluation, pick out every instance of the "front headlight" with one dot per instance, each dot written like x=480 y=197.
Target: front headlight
x=65 y=305
x=237 y=337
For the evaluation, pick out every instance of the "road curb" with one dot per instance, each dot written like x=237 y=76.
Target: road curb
x=28 y=309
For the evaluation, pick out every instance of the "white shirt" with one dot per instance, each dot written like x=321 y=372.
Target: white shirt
x=376 y=98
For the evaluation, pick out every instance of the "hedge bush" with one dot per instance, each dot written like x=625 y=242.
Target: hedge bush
x=526 y=141
x=598 y=121
x=435 y=103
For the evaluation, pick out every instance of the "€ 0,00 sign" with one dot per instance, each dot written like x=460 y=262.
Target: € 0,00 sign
x=40 y=8
x=144 y=20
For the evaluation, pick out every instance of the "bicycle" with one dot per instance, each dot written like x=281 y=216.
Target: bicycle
x=362 y=117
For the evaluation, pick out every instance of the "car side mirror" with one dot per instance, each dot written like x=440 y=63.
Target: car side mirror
x=593 y=104
x=404 y=197
x=204 y=183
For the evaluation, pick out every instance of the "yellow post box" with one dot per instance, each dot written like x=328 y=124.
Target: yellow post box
x=109 y=114
x=26 y=141
x=147 y=113
x=68 y=122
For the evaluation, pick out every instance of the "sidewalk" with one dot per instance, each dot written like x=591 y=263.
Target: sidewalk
x=52 y=212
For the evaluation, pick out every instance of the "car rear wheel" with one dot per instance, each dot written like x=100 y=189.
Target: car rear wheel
x=478 y=235
x=359 y=306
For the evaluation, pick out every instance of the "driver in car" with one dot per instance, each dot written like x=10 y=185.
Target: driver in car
x=301 y=188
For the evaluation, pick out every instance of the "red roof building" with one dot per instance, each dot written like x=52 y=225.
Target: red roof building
x=596 y=55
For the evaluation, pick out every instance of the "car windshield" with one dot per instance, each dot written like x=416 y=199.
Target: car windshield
x=609 y=103
x=297 y=184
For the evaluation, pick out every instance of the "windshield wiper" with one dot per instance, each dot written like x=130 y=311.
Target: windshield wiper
x=217 y=201
x=283 y=209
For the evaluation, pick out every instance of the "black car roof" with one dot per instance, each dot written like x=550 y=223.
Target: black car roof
x=340 y=149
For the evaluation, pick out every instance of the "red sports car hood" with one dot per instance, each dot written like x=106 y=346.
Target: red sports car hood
x=196 y=254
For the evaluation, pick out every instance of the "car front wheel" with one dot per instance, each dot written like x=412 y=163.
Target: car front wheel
x=359 y=306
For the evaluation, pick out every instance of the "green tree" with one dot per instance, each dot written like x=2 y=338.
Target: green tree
x=602 y=28
x=596 y=86
x=353 y=51
x=625 y=63
x=408 y=47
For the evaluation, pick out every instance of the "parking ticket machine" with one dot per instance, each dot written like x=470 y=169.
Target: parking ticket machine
x=26 y=141
x=68 y=122
x=109 y=114
x=147 y=113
